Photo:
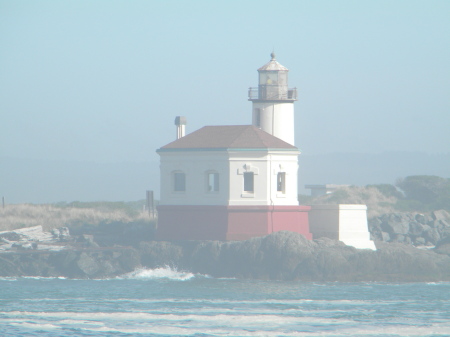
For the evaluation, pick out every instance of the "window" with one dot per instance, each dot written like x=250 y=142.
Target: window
x=212 y=182
x=248 y=182
x=179 y=182
x=258 y=117
x=281 y=182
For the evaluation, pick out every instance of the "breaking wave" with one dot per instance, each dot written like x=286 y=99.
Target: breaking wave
x=166 y=272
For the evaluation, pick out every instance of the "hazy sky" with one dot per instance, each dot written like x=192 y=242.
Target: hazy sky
x=103 y=80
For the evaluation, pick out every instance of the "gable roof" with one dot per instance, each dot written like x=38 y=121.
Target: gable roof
x=229 y=137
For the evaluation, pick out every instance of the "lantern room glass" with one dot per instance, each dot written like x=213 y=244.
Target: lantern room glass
x=268 y=77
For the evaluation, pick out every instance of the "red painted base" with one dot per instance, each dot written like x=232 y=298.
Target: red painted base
x=229 y=222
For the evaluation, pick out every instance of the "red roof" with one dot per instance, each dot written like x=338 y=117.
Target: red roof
x=229 y=136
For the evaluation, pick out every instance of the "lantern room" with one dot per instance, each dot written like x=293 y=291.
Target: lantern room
x=273 y=83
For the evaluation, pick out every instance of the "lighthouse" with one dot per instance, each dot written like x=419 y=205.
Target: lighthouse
x=235 y=182
x=273 y=101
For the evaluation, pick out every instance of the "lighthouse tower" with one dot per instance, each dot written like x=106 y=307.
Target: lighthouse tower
x=273 y=101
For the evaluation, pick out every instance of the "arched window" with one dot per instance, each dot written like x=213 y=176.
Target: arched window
x=248 y=182
x=258 y=117
x=179 y=181
x=212 y=181
x=248 y=173
x=281 y=182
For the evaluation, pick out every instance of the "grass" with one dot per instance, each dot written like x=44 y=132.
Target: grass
x=66 y=215
x=377 y=202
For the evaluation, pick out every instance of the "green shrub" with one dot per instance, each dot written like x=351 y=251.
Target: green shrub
x=425 y=193
x=387 y=190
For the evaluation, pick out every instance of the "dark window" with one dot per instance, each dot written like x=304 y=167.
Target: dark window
x=213 y=182
x=281 y=182
x=258 y=117
x=179 y=182
x=248 y=182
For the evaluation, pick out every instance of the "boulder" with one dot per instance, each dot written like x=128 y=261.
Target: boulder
x=443 y=246
x=440 y=215
x=396 y=224
x=88 y=241
x=415 y=228
x=159 y=253
x=10 y=236
x=420 y=218
x=385 y=236
x=88 y=265
x=61 y=234
x=420 y=241
x=432 y=236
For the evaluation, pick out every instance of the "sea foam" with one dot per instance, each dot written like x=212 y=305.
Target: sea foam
x=159 y=273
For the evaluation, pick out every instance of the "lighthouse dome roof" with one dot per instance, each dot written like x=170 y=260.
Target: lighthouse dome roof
x=273 y=65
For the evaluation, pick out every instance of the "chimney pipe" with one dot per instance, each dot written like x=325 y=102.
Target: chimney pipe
x=180 y=122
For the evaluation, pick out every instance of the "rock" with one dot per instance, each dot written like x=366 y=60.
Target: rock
x=375 y=236
x=385 y=237
x=426 y=228
x=283 y=251
x=205 y=258
x=443 y=246
x=415 y=228
x=279 y=256
x=432 y=235
x=24 y=245
x=410 y=226
x=442 y=226
x=61 y=234
x=398 y=238
x=440 y=215
x=420 y=241
x=396 y=225
x=159 y=253
x=129 y=260
x=428 y=219
x=10 y=236
x=374 y=225
x=420 y=218
x=445 y=223
x=88 y=241
x=88 y=265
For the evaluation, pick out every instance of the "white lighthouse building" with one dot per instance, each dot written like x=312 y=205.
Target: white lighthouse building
x=235 y=182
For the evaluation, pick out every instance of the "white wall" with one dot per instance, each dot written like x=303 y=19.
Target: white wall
x=276 y=119
x=230 y=165
x=347 y=223
x=195 y=164
x=265 y=166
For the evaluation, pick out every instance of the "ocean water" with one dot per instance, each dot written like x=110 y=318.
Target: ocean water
x=165 y=302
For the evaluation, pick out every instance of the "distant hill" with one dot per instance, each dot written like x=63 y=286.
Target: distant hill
x=43 y=181
x=363 y=169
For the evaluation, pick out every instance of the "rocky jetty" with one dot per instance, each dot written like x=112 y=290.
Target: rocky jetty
x=34 y=252
x=34 y=238
x=289 y=256
x=411 y=228
x=279 y=256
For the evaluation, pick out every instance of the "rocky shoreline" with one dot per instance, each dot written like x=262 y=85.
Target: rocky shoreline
x=416 y=229
x=279 y=256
